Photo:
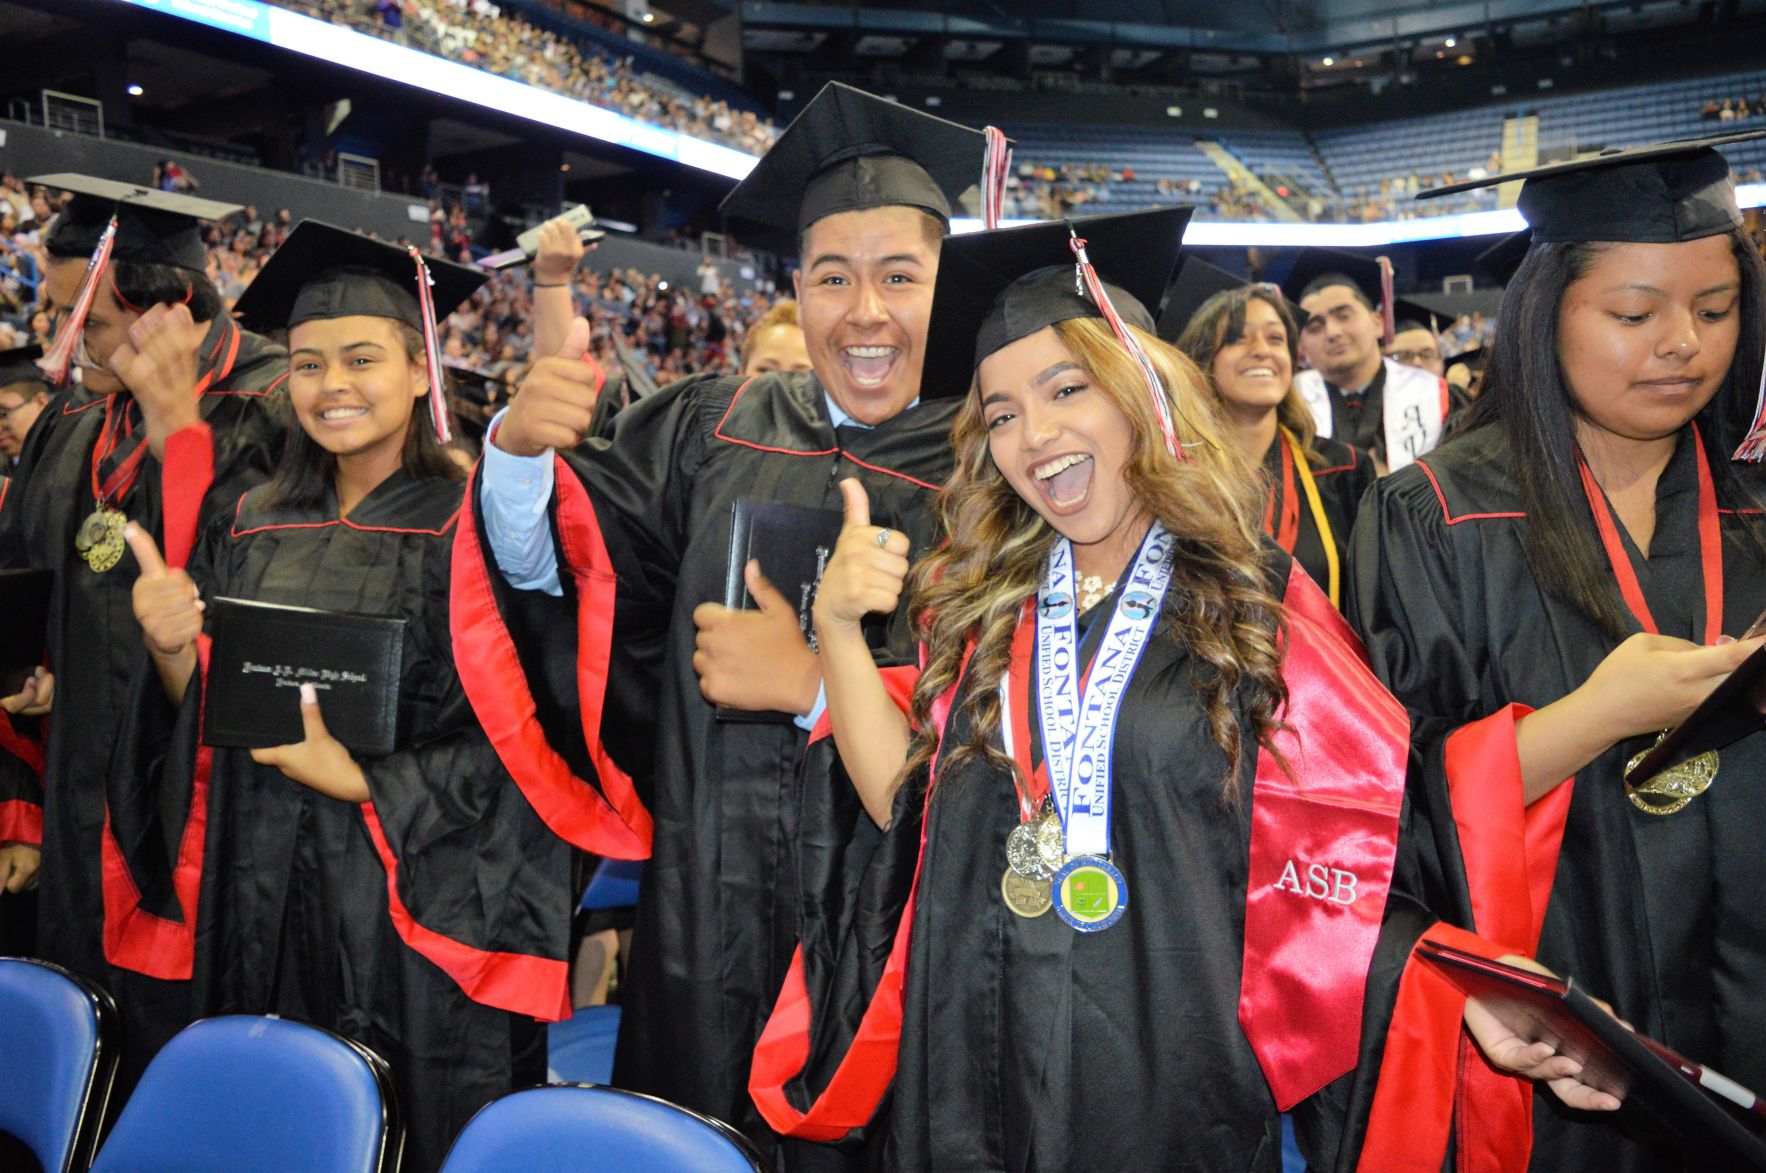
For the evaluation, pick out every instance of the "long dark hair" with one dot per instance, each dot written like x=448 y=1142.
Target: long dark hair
x=1527 y=397
x=1220 y=321
x=306 y=472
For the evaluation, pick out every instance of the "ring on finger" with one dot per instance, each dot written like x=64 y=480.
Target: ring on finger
x=883 y=536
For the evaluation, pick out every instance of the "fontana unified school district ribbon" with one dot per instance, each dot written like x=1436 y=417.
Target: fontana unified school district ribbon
x=1078 y=731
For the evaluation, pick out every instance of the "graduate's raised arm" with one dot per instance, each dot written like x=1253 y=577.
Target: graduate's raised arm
x=556 y=402
x=554 y=269
x=866 y=575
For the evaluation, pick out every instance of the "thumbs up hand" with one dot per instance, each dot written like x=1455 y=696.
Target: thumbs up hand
x=556 y=402
x=755 y=660
x=167 y=604
x=868 y=570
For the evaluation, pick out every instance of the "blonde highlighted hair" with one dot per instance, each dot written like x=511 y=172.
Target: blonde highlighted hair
x=1220 y=606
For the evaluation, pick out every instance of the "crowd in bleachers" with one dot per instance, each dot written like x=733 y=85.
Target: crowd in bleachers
x=479 y=33
x=666 y=330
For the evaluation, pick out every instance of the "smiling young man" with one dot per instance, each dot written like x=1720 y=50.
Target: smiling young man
x=172 y=421
x=1357 y=395
x=633 y=744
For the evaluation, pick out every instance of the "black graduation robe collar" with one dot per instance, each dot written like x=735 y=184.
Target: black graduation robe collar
x=400 y=504
x=787 y=413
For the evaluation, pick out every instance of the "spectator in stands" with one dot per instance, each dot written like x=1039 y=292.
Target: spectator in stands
x=776 y=342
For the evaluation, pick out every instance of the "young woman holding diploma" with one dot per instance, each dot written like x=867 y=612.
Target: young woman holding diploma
x=1551 y=592
x=1138 y=949
x=412 y=901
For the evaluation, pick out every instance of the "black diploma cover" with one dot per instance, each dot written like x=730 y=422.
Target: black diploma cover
x=793 y=544
x=24 y=601
x=264 y=652
x=1735 y=709
x=1666 y=1086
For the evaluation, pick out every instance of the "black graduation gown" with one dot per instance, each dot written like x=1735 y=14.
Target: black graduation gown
x=715 y=914
x=1342 y=474
x=1024 y=1045
x=93 y=638
x=1660 y=915
x=442 y=973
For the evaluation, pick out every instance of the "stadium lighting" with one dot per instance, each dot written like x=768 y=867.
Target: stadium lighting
x=136 y=91
x=1450 y=42
x=649 y=17
x=312 y=37
x=1329 y=61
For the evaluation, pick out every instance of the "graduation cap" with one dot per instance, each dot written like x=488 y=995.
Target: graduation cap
x=322 y=271
x=1660 y=194
x=996 y=287
x=19 y=365
x=849 y=151
x=1372 y=276
x=1197 y=281
x=107 y=220
x=153 y=227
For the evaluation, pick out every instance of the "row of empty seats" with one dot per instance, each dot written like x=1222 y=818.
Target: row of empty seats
x=1344 y=167
x=273 y=1095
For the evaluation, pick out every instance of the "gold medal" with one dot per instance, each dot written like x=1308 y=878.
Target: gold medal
x=91 y=531
x=1023 y=852
x=1026 y=897
x=1669 y=791
x=105 y=549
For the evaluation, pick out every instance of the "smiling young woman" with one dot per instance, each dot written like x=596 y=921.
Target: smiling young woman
x=1552 y=590
x=1245 y=341
x=413 y=900
x=1095 y=812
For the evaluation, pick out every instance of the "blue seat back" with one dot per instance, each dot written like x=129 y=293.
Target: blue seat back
x=568 y=1127
x=614 y=884
x=260 y=1093
x=56 y=1032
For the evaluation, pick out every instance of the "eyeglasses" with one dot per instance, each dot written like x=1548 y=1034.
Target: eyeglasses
x=1412 y=357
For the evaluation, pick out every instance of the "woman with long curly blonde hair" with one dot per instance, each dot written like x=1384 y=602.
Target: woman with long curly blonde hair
x=1138 y=879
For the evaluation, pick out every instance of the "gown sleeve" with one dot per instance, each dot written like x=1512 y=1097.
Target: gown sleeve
x=21 y=785
x=1486 y=860
x=567 y=703
x=156 y=802
x=475 y=881
x=827 y=1055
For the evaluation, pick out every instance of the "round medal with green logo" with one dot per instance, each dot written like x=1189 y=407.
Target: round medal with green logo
x=1090 y=893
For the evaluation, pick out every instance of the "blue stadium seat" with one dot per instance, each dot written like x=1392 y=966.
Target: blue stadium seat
x=580 y=1049
x=261 y=1093
x=568 y=1127
x=614 y=885
x=57 y=1031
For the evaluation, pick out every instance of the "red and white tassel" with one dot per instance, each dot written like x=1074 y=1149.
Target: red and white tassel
x=1388 y=310
x=1088 y=277
x=438 y=399
x=994 y=172
x=57 y=363
x=1753 y=446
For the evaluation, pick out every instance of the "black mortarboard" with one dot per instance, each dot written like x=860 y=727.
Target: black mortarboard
x=996 y=287
x=849 y=151
x=1501 y=259
x=1361 y=272
x=322 y=271
x=1408 y=312
x=153 y=227
x=1660 y=194
x=19 y=365
x=1197 y=281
